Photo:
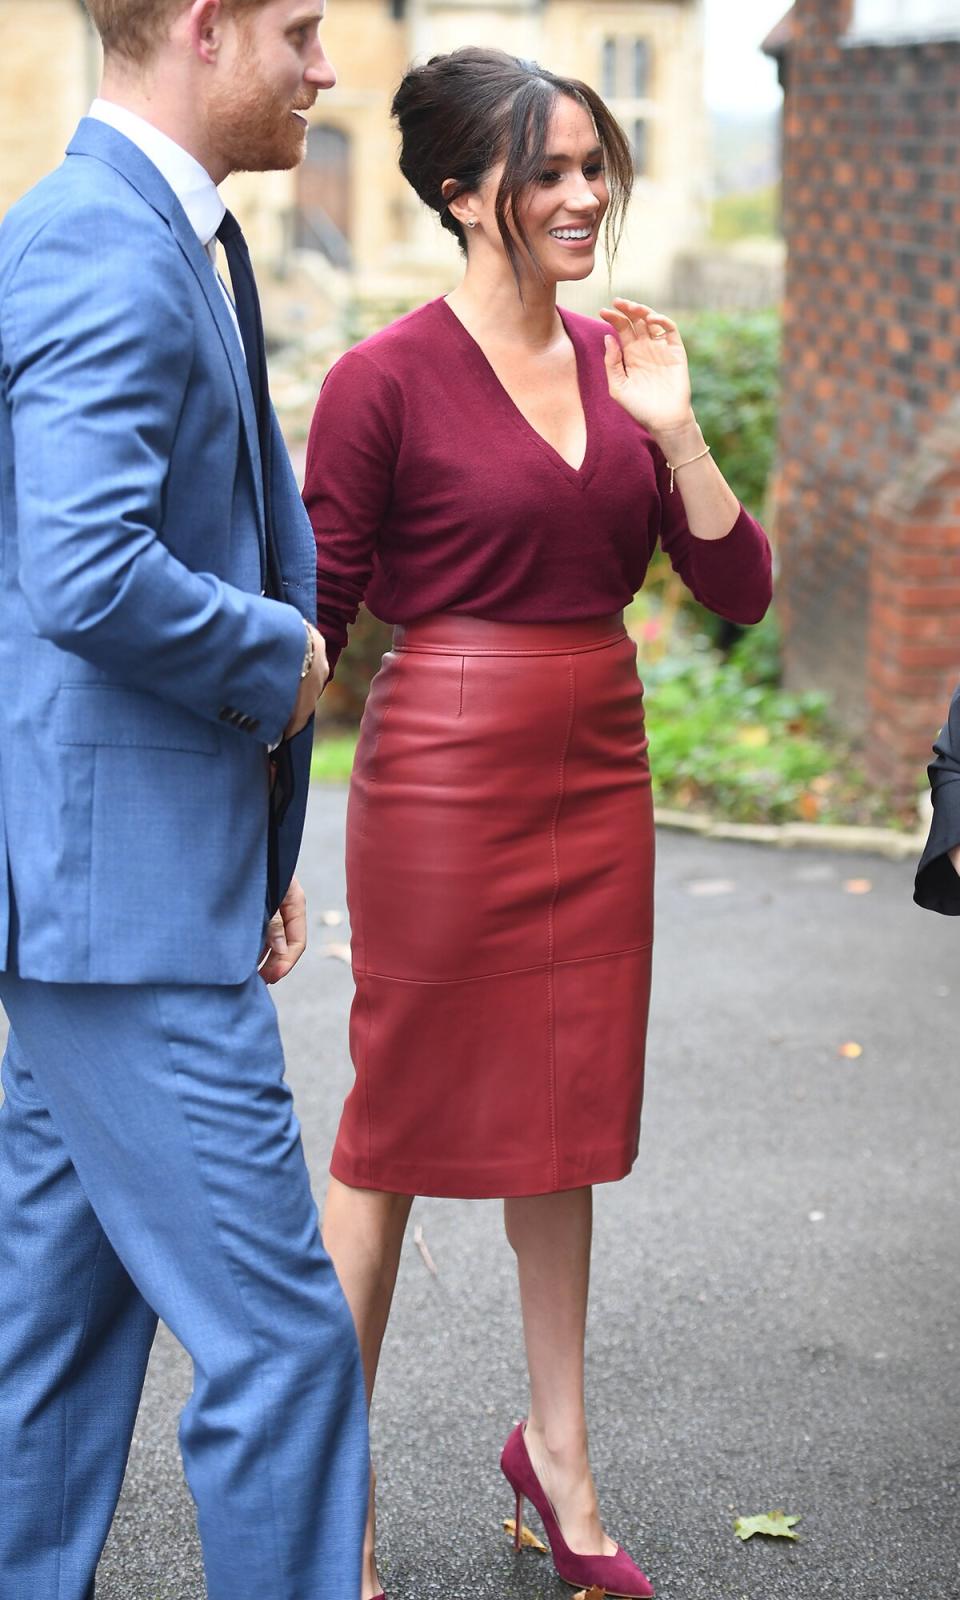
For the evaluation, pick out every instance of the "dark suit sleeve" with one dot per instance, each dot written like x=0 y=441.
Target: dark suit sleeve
x=938 y=883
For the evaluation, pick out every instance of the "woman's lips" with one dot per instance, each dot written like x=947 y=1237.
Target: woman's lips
x=586 y=243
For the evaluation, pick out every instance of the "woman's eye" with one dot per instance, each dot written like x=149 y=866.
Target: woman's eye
x=549 y=177
x=595 y=170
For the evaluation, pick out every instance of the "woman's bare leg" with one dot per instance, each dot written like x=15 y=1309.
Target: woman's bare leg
x=363 y=1234
x=551 y=1235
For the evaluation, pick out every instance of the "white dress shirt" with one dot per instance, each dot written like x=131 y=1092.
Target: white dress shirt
x=190 y=182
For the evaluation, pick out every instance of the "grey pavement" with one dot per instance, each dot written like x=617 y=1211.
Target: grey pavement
x=774 y=1319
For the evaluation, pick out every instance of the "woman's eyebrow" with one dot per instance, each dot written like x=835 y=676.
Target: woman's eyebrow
x=567 y=156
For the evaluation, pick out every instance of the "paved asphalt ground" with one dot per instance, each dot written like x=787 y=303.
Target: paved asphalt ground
x=774 y=1317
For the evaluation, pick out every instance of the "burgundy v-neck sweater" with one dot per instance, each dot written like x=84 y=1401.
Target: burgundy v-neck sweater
x=429 y=491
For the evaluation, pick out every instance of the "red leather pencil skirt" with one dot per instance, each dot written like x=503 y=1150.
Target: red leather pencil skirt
x=500 y=887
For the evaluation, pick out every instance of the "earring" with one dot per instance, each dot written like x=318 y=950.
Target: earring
x=472 y=222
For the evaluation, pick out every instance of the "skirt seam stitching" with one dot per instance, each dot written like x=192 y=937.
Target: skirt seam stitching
x=512 y=972
x=551 y=926
x=494 y=650
x=368 y=1009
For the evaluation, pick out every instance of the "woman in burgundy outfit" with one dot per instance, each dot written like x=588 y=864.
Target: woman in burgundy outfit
x=492 y=475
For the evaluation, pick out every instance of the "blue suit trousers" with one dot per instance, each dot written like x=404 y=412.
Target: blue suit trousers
x=151 y=1165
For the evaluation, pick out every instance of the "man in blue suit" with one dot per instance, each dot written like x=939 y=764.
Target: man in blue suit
x=158 y=673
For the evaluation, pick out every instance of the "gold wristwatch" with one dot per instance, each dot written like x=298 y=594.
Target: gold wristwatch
x=309 y=652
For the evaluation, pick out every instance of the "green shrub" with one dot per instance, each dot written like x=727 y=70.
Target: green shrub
x=735 y=366
x=726 y=739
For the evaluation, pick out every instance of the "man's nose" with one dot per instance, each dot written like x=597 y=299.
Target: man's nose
x=321 y=72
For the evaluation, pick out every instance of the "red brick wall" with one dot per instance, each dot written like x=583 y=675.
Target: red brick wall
x=913 y=645
x=871 y=363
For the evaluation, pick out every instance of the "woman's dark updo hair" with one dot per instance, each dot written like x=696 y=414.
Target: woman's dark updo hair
x=463 y=112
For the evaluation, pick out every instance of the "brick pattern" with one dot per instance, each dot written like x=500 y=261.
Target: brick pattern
x=870 y=589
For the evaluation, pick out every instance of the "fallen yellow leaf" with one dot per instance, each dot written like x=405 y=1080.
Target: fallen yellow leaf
x=591 y=1594
x=775 y=1524
x=851 y=1050
x=754 y=737
x=528 y=1540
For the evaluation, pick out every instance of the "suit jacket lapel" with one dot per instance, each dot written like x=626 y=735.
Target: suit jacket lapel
x=206 y=277
x=95 y=138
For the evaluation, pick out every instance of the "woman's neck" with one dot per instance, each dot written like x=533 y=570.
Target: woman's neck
x=488 y=303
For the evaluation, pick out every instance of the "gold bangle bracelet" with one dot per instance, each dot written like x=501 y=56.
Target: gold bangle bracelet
x=675 y=467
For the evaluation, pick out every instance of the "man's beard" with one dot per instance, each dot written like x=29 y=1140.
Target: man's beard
x=255 y=129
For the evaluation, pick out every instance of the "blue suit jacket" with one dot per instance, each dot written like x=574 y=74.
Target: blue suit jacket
x=142 y=674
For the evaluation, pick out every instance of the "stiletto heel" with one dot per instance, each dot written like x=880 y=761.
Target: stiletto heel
x=519 y=1522
x=617 y=1575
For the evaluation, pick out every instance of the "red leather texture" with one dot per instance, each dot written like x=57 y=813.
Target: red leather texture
x=500 y=885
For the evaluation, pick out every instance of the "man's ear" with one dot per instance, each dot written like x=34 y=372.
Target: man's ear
x=202 y=23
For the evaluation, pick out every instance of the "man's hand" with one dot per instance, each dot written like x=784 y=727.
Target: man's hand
x=286 y=936
x=954 y=855
x=311 y=687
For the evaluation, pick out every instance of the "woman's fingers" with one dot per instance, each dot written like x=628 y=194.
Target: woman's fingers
x=630 y=334
x=643 y=319
x=617 y=320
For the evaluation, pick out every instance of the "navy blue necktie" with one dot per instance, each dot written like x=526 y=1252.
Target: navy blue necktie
x=247 y=303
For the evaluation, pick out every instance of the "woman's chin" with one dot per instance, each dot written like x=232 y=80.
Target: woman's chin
x=569 y=263
x=575 y=271
x=557 y=267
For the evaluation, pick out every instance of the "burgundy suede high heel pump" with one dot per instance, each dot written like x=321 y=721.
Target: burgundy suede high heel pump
x=618 y=1575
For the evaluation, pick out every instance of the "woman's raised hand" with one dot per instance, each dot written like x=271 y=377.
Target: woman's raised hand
x=647 y=366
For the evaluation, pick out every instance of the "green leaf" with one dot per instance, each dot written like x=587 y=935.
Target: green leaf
x=776 y=1525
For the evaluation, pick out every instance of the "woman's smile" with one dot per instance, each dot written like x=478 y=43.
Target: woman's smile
x=575 y=238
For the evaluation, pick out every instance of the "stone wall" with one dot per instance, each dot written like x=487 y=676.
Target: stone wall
x=49 y=69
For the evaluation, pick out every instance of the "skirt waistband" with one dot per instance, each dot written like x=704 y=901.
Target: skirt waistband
x=449 y=633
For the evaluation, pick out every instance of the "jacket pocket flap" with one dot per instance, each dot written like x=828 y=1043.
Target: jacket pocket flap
x=105 y=714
